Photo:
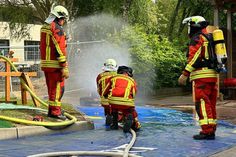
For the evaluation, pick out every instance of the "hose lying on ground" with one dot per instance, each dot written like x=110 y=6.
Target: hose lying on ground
x=71 y=118
x=93 y=153
x=64 y=123
x=130 y=145
x=82 y=153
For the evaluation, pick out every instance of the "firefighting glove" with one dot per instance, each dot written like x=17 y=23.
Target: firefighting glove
x=182 y=79
x=65 y=72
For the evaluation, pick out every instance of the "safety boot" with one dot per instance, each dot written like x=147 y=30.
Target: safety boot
x=108 y=120
x=128 y=123
x=202 y=136
x=136 y=126
x=114 y=125
x=61 y=116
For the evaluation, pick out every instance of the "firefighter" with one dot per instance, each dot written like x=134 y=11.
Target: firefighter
x=109 y=70
x=202 y=75
x=121 y=91
x=53 y=58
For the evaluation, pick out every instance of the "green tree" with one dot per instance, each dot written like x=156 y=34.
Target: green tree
x=185 y=9
x=19 y=13
x=156 y=62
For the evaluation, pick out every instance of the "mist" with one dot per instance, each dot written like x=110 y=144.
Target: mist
x=88 y=50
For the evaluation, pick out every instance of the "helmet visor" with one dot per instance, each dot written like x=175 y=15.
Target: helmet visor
x=50 y=19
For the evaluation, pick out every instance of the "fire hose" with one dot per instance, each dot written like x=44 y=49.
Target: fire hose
x=93 y=153
x=71 y=118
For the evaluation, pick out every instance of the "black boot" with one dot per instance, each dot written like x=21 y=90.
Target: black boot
x=61 y=116
x=202 y=136
x=108 y=120
x=128 y=123
x=114 y=125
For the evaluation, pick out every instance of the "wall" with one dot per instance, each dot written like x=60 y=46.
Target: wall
x=18 y=45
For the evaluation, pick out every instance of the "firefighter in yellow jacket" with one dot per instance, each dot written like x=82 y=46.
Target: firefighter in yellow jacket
x=109 y=70
x=53 y=58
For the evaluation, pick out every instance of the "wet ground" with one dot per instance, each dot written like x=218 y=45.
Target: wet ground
x=165 y=132
x=226 y=109
x=168 y=125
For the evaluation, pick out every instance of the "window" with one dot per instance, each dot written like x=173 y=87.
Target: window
x=4 y=47
x=31 y=51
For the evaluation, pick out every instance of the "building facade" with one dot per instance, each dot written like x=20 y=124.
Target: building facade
x=25 y=49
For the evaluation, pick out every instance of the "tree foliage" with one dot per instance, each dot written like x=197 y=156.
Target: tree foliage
x=156 y=62
x=19 y=13
x=153 y=31
x=185 y=9
x=18 y=19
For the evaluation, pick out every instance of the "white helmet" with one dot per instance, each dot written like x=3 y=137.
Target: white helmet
x=195 y=19
x=60 y=11
x=110 y=65
x=195 y=23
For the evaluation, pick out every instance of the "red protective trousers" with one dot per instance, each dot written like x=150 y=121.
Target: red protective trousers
x=125 y=110
x=205 y=103
x=55 y=85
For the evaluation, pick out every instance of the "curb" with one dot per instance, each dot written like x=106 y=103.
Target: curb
x=225 y=153
x=25 y=131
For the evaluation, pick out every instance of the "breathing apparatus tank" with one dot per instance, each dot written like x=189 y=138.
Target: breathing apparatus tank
x=220 y=49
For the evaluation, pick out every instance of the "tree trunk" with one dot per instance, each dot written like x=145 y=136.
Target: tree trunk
x=173 y=20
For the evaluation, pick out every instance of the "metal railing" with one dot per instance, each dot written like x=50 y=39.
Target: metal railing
x=32 y=52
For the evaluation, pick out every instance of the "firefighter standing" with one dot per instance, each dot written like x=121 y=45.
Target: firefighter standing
x=121 y=91
x=203 y=77
x=109 y=70
x=53 y=58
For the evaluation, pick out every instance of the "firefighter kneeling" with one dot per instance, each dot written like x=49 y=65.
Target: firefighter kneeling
x=109 y=70
x=121 y=91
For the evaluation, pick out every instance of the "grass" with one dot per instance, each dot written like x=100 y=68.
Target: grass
x=5 y=124
x=30 y=114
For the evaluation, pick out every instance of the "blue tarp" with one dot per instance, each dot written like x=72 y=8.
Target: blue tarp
x=168 y=132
